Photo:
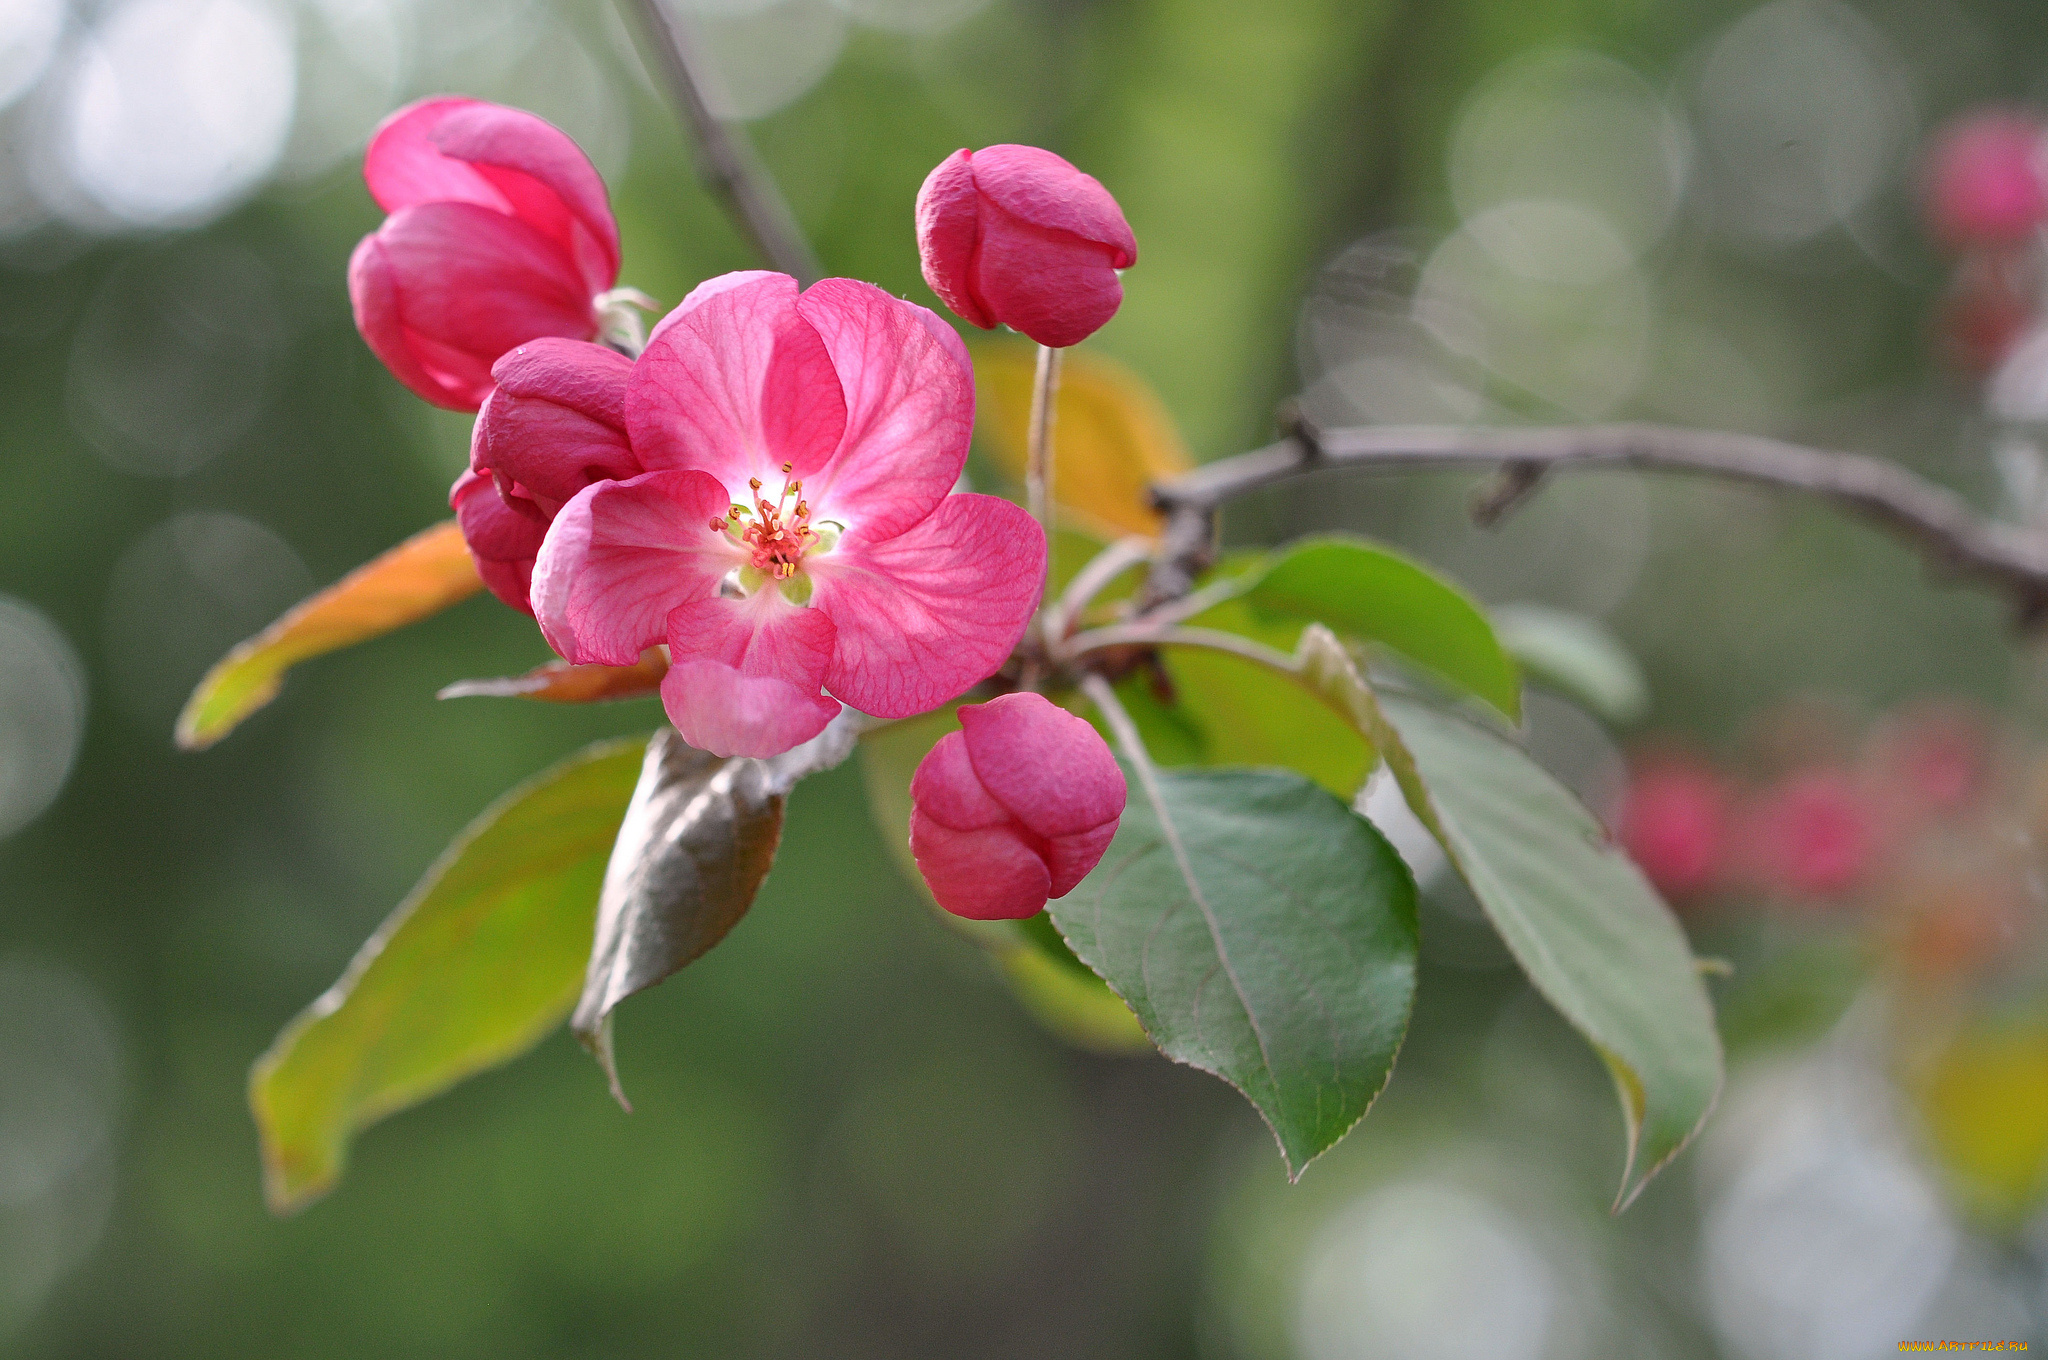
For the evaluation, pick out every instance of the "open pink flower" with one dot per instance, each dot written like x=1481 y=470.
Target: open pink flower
x=500 y=232
x=1015 y=236
x=554 y=423
x=794 y=531
x=1015 y=808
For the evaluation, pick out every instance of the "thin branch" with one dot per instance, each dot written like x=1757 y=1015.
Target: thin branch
x=1103 y=568
x=1936 y=521
x=730 y=166
x=1151 y=635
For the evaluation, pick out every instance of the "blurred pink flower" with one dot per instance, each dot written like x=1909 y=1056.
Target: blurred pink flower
x=793 y=532
x=1812 y=835
x=554 y=423
x=1674 y=823
x=1015 y=236
x=1987 y=180
x=500 y=233
x=1015 y=808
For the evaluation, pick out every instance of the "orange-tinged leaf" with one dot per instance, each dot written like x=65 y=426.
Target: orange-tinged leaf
x=1111 y=436
x=421 y=576
x=559 y=682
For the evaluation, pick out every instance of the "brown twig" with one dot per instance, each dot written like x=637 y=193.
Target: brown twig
x=1952 y=537
x=729 y=164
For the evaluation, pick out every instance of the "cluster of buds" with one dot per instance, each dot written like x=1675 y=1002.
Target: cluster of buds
x=1926 y=828
x=1986 y=198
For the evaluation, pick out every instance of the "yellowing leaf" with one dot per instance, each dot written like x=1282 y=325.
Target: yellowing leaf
x=1111 y=436
x=475 y=967
x=421 y=576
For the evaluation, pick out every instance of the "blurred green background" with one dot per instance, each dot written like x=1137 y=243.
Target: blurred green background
x=850 y=1141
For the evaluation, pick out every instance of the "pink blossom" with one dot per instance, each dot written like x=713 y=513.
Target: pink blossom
x=500 y=232
x=554 y=423
x=1015 y=808
x=793 y=532
x=1674 y=824
x=1813 y=835
x=1987 y=180
x=1015 y=236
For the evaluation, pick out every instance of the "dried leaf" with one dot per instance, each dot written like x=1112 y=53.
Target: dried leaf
x=696 y=843
x=559 y=682
x=421 y=576
x=1111 y=436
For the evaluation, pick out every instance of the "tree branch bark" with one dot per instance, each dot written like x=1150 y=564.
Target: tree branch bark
x=728 y=162
x=1952 y=537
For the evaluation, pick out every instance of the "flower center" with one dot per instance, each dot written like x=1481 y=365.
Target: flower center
x=777 y=534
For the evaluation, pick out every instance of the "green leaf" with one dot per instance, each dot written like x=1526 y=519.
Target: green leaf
x=695 y=846
x=1578 y=657
x=473 y=968
x=1372 y=593
x=1578 y=916
x=1261 y=931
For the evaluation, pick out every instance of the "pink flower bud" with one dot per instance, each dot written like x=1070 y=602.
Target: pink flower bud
x=1674 y=824
x=1015 y=236
x=1014 y=809
x=554 y=424
x=1813 y=835
x=500 y=232
x=503 y=539
x=1987 y=180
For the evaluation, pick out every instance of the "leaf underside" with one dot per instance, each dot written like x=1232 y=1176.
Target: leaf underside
x=1577 y=914
x=695 y=846
x=1263 y=932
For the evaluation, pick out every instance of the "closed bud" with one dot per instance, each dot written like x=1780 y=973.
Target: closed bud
x=1014 y=236
x=554 y=423
x=1013 y=809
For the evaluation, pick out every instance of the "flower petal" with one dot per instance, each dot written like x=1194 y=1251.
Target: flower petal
x=454 y=150
x=704 y=292
x=1049 y=767
x=557 y=421
x=1070 y=858
x=373 y=295
x=926 y=614
x=1056 y=288
x=1036 y=186
x=543 y=174
x=620 y=556
x=481 y=282
x=744 y=675
x=949 y=791
x=989 y=874
x=502 y=541
x=949 y=234
x=909 y=409
x=737 y=384
x=403 y=167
